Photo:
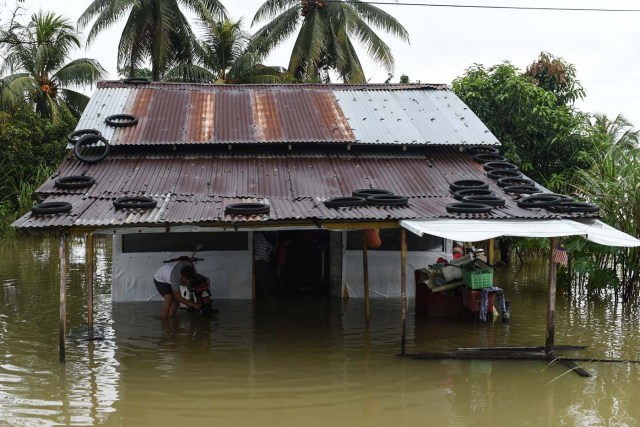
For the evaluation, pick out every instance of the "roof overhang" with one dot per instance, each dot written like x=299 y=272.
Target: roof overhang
x=474 y=230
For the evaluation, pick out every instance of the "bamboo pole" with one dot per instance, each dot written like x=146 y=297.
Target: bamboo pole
x=365 y=268
x=551 y=297
x=63 y=294
x=403 y=288
x=90 y=261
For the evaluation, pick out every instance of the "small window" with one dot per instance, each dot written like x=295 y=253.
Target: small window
x=185 y=242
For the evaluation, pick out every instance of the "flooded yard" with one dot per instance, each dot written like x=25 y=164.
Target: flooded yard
x=297 y=362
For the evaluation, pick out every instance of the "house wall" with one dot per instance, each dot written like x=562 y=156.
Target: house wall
x=229 y=272
x=384 y=272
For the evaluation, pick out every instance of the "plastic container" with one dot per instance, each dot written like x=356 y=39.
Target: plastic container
x=478 y=278
x=451 y=273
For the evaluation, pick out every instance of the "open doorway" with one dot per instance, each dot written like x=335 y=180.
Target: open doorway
x=298 y=265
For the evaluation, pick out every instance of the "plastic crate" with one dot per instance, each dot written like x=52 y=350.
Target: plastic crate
x=478 y=278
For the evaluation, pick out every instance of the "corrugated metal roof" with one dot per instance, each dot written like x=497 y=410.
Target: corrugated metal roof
x=194 y=189
x=179 y=114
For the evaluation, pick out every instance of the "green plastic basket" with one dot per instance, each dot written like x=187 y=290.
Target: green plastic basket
x=478 y=278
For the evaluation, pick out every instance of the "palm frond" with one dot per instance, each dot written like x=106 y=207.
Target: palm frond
x=80 y=72
x=377 y=49
x=189 y=73
x=75 y=102
x=275 y=32
x=379 y=19
x=271 y=8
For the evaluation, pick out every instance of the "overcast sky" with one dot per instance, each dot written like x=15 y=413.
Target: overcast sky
x=604 y=46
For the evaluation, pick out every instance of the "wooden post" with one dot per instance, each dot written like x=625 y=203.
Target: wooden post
x=551 y=298
x=63 y=294
x=403 y=288
x=491 y=255
x=253 y=267
x=89 y=243
x=365 y=270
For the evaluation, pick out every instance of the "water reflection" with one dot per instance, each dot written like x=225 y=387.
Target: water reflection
x=296 y=362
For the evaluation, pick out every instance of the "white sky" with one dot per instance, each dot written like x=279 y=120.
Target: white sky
x=604 y=46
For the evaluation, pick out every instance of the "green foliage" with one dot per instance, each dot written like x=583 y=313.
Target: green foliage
x=31 y=147
x=38 y=71
x=556 y=76
x=538 y=132
x=326 y=35
x=156 y=31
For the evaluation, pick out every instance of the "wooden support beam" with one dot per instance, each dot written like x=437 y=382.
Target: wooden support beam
x=551 y=297
x=365 y=271
x=403 y=288
x=90 y=263
x=491 y=255
x=63 y=295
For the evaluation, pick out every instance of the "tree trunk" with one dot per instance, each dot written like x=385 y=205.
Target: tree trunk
x=505 y=244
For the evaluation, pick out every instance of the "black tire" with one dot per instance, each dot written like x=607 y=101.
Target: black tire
x=460 y=194
x=51 y=208
x=503 y=173
x=247 y=209
x=74 y=136
x=136 y=81
x=539 y=201
x=86 y=153
x=121 y=120
x=521 y=189
x=366 y=192
x=467 y=184
x=478 y=149
x=388 y=200
x=499 y=165
x=485 y=200
x=134 y=202
x=574 y=207
x=563 y=197
x=505 y=182
x=465 y=207
x=343 y=202
x=74 y=181
x=489 y=157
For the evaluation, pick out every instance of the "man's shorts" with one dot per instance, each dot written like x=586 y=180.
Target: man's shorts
x=163 y=288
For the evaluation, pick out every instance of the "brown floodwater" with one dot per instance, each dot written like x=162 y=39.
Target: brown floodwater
x=297 y=362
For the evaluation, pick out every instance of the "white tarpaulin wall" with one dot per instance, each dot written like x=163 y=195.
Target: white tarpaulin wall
x=229 y=272
x=384 y=271
x=475 y=230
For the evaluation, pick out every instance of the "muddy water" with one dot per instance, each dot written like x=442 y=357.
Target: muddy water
x=296 y=363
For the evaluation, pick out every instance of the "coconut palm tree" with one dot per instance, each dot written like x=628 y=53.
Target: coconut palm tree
x=327 y=34
x=156 y=30
x=38 y=71
x=222 y=57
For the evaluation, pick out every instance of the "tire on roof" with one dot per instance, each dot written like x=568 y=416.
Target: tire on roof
x=74 y=181
x=343 y=202
x=466 y=207
x=247 y=209
x=51 y=208
x=134 y=202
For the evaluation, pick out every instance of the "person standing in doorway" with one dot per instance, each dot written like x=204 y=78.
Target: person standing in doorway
x=262 y=249
x=168 y=279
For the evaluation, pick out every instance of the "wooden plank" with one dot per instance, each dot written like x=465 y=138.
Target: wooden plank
x=90 y=262
x=575 y=368
x=551 y=298
x=365 y=268
x=520 y=348
x=63 y=296
x=403 y=288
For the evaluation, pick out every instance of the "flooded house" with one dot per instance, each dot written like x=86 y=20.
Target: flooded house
x=332 y=176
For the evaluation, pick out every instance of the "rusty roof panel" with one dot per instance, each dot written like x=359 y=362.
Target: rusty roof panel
x=167 y=118
x=233 y=119
x=266 y=116
x=201 y=118
x=194 y=189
